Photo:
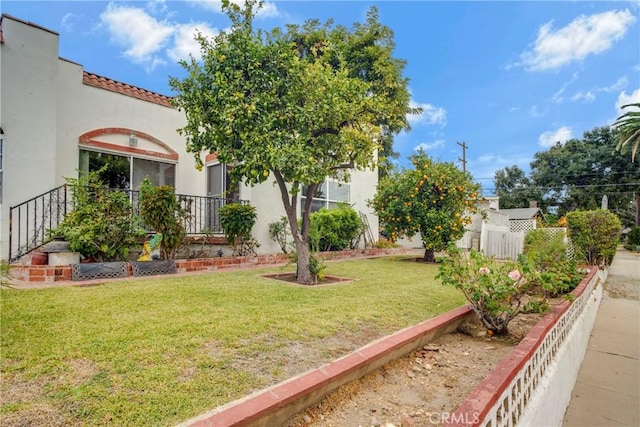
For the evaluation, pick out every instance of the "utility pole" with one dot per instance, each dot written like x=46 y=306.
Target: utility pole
x=464 y=155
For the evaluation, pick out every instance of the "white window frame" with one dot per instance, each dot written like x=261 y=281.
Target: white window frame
x=131 y=158
x=329 y=201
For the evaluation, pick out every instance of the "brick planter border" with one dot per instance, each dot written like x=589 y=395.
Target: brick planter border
x=275 y=405
x=52 y=274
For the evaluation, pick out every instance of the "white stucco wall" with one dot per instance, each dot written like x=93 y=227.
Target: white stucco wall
x=269 y=206
x=28 y=71
x=46 y=107
x=85 y=108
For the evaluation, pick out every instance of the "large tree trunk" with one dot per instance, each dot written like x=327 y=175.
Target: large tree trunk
x=429 y=256
x=303 y=274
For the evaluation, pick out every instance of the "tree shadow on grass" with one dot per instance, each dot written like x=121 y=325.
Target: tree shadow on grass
x=291 y=278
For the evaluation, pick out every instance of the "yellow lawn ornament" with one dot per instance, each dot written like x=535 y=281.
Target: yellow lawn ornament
x=151 y=248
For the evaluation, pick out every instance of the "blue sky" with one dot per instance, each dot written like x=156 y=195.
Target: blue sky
x=507 y=78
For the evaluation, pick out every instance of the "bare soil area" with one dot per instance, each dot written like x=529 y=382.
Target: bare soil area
x=421 y=388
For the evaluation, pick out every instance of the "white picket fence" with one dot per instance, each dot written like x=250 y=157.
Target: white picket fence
x=497 y=236
x=499 y=242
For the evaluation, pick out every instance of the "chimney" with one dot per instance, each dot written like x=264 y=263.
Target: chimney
x=533 y=203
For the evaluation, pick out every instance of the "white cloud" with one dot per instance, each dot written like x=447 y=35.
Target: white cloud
x=624 y=99
x=427 y=146
x=486 y=165
x=68 y=22
x=549 y=138
x=584 y=36
x=536 y=112
x=140 y=34
x=150 y=42
x=431 y=115
x=557 y=98
x=184 y=43
x=268 y=9
x=620 y=84
x=585 y=97
x=157 y=6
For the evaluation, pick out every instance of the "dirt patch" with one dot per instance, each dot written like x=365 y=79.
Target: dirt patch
x=82 y=371
x=17 y=390
x=272 y=361
x=35 y=415
x=423 y=387
x=291 y=278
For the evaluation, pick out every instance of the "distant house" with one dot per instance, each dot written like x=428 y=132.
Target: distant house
x=499 y=232
x=487 y=213
x=522 y=219
x=57 y=119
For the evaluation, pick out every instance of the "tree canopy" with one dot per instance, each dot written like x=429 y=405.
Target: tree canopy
x=434 y=199
x=365 y=52
x=292 y=106
x=577 y=174
x=514 y=188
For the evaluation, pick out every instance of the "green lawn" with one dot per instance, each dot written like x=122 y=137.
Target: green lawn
x=156 y=352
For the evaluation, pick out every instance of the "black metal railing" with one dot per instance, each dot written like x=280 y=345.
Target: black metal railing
x=30 y=221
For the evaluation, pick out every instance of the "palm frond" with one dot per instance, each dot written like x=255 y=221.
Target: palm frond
x=628 y=127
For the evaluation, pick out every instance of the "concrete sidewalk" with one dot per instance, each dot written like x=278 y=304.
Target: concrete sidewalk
x=607 y=392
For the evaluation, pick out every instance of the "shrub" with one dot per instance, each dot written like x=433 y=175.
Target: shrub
x=633 y=238
x=316 y=267
x=279 y=232
x=237 y=220
x=160 y=210
x=559 y=278
x=496 y=291
x=544 y=249
x=594 y=235
x=334 y=229
x=101 y=225
x=385 y=244
x=548 y=255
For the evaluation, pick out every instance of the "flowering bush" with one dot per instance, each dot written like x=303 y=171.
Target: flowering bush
x=496 y=291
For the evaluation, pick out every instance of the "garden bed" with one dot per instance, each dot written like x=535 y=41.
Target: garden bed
x=52 y=274
x=423 y=387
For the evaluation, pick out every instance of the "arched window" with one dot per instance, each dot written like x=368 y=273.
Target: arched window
x=126 y=164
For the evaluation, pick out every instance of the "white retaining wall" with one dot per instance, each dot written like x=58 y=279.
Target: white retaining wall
x=540 y=392
x=551 y=399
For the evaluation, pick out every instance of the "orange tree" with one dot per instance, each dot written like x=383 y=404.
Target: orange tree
x=434 y=199
x=294 y=107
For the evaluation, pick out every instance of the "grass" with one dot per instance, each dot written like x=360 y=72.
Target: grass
x=156 y=352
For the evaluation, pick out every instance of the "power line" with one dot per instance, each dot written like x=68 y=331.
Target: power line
x=595 y=175
x=568 y=186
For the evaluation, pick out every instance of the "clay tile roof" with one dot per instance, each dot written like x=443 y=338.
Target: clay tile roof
x=125 y=89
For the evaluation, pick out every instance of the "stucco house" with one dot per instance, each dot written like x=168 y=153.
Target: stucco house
x=56 y=119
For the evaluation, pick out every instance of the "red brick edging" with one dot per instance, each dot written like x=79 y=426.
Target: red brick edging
x=58 y=273
x=280 y=402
